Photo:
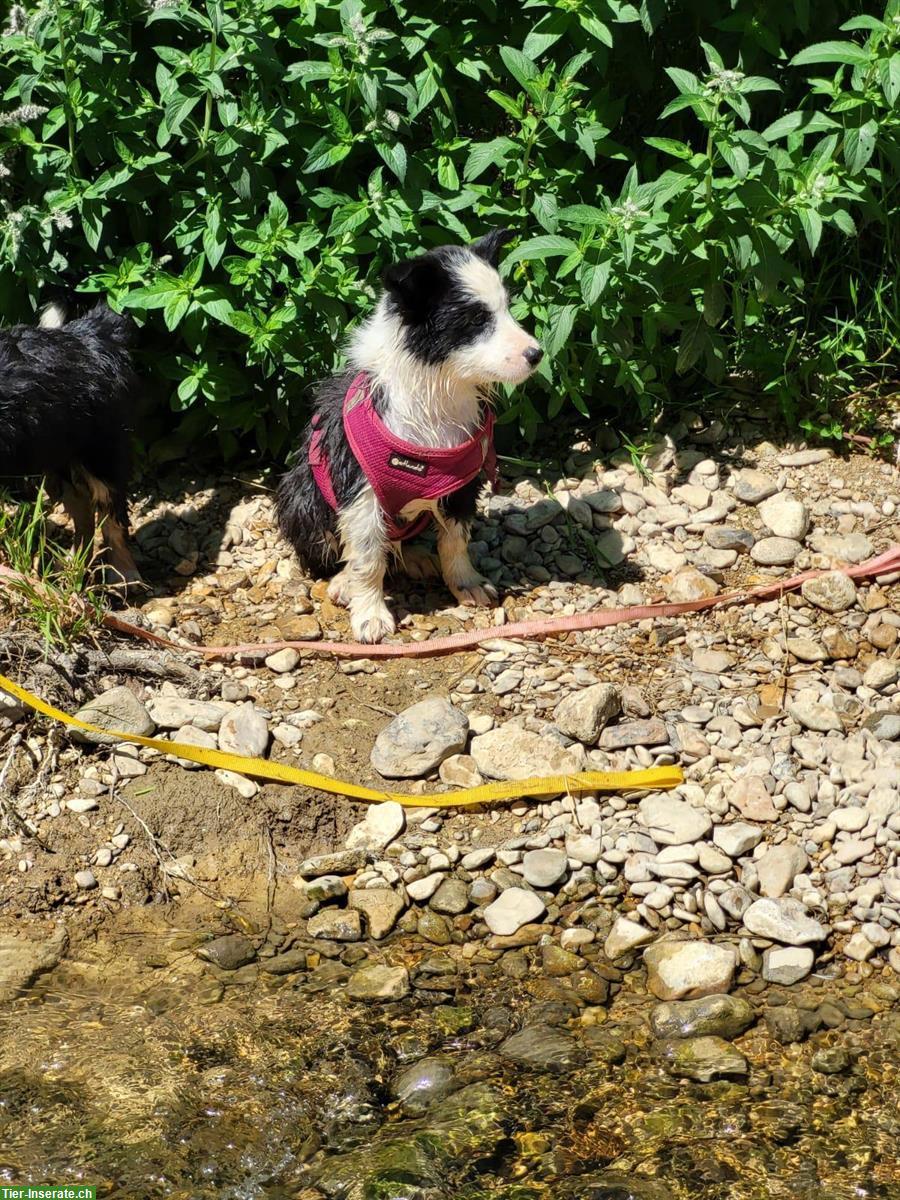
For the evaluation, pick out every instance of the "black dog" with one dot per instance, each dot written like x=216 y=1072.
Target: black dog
x=66 y=395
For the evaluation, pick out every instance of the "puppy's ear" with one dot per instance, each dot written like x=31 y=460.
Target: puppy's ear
x=489 y=246
x=415 y=284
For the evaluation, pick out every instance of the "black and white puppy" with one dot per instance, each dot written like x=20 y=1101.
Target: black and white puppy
x=440 y=337
x=67 y=392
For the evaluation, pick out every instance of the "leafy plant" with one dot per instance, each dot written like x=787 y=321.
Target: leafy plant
x=237 y=173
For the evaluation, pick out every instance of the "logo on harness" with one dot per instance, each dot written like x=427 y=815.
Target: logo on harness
x=411 y=466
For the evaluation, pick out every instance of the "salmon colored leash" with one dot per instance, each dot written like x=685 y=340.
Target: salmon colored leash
x=882 y=564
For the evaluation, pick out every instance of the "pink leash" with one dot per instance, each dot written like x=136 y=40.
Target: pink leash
x=882 y=564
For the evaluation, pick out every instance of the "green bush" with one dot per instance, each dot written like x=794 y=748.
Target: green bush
x=703 y=189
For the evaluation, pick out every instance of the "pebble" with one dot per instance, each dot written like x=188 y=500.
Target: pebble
x=585 y=714
x=245 y=731
x=717 y=1015
x=283 y=661
x=544 y=868
x=704 y=1059
x=787 y=965
x=775 y=551
x=512 y=909
x=418 y=739
x=625 y=936
x=737 y=838
x=785 y=517
x=687 y=970
x=85 y=880
x=783 y=920
x=778 y=868
x=118 y=709
x=336 y=924
x=833 y=592
x=381 y=825
x=380 y=906
x=752 y=486
x=634 y=733
x=510 y=752
x=174 y=712
x=673 y=822
x=379 y=982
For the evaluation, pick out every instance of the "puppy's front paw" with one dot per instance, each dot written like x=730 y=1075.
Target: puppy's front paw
x=339 y=589
x=476 y=592
x=372 y=624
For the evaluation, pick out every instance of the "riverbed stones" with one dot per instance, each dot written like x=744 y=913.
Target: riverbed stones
x=779 y=866
x=510 y=752
x=380 y=906
x=718 y=1015
x=704 y=1059
x=512 y=909
x=229 y=952
x=118 y=709
x=737 y=838
x=783 y=920
x=626 y=936
x=753 y=486
x=381 y=825
x=688 y=970
x=652 y=732
x=22 y=960
x=378 y=983
x=336 y=924
x=673 y=822
x=543 y=1047
x=833 y=592
x=585 y=714
x=775 y=551
x=418 y=739
x=544 y=868
x=174 y=712
x=786 y=965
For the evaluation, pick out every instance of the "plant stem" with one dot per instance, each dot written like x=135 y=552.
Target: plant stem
x=207 y=115
x=67 y=78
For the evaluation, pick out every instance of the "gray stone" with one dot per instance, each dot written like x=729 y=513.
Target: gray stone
x=737 y=838
x=726 y=537
x=117 y=709
x=673 y=822
x=325 y=888
x=85 y=880
x=229 y=952
x=244 y=731
x=778 y=868
x=418 y=739
x=626 y=936
x=783 y=920
x=845 y=547
x=336 y=924
x=881 y=673
x=884 y=725
x=786 y=965
x=785 y=517
x=544 y=868
x=419 y=1086
x=173 y=712
x=542 y=1048
x=704 y=1059
x=833 y=592
x=688 y=970
x=775 y=551
x=752 y=487
x=282 y=662
x=717 y=1015
x=452 y=897
x=380 y=906
x=634 y=733
x=378 y=983
x=819 y=717
x=584 y=715
x=510 y=752
x=339 y=862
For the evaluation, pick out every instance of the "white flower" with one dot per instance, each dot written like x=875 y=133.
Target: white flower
x=25 y=112
x=15 y=22
x=60 y=219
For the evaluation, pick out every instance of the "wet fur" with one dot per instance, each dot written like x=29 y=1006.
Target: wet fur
x=67 y=392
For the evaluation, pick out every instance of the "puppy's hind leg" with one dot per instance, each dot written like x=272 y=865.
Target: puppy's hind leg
x=361 y=583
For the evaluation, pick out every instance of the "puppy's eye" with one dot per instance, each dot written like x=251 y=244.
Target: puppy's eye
x=481 y=319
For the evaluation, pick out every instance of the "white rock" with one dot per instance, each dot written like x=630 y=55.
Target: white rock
x=244 y=731
x=783 y=920
x=424 y=889
x=283 y=661
x=382 y=823
x=418 y=739
x=672 y=822
x=583 y=847
x=688 y=970
x=584 y=715
x=818 y=717
x=511 y=910
x=241 y=784
x=833 y=592
x=510 y=752
x=544 y=868
x=172 y=712
x=737 y=838
x=778 y=868
x=787 y=964
x=626 y=936
x=881 y=674
x=785 y=516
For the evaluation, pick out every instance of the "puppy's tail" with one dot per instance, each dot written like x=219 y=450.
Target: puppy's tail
x=101 y=322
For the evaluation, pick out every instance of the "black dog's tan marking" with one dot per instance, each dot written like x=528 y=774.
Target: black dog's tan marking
x=66 y=396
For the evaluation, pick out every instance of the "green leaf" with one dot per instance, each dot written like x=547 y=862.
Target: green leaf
x=833 y=52
x=844 y=222
x=545 y=34
x=713 y=302
x=859 y=145
x=811 y=224
x=308 y=72
x=670 y=146
x=798 y=122
x=520 y=66
x=582 y=214
x=593 y=278
x=864 y=22
x=561 y=322
x=324 y=154
x=513 y=107
x=395 y=157
x=214 y=240
x=736 y=157
x=546 y=245
x=446 y=173
x=687 y=83
x=487 y=154
x=889 y=78
x=175 y=309
x=758 y=83
x=691 y=346
x=596 y=28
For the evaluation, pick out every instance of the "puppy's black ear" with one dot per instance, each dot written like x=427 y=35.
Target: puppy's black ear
x=416 y=284
x=489 y=246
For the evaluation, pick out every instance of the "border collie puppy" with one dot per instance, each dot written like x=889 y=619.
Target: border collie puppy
x=405 y=435
x=66 y=395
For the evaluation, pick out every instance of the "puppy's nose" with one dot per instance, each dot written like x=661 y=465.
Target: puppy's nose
x=533 y=355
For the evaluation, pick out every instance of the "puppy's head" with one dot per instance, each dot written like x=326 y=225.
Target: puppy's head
x=454 y=313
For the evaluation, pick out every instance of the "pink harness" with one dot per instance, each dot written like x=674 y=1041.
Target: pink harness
x=400 y=472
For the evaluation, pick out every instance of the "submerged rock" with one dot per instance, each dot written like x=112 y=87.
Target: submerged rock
x=22 y=960
x=543 y=1048
x=703 y=1059
x=721 y=1016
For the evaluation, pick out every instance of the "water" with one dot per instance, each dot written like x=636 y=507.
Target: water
x=131 y=1067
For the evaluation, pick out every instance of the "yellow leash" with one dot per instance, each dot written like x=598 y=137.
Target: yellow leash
x=259 y=768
